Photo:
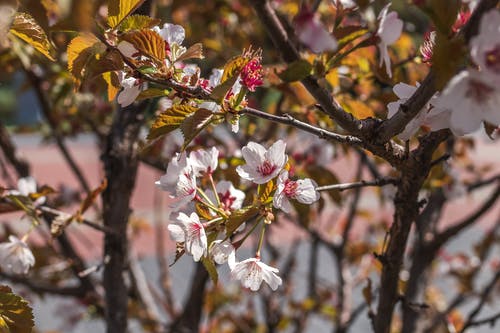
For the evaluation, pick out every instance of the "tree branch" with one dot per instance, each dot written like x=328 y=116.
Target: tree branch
x=363 y=183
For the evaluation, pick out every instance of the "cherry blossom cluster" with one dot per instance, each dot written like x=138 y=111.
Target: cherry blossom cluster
x=15 y=255
x=471 y=97
x=200 y=232
x=250 y=77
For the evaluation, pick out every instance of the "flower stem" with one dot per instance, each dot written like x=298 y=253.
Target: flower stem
x=214 y=189
x=261 y=241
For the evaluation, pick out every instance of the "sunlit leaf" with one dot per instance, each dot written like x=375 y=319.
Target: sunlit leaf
x=91 y=198
x=113 y=84
x=26 y=28
x=148 y=42
x=231 y=72
x=170 y=120
x=16 y=316
x=211 y=269
x=152 y=93
x=265 y=191
x=194 y=52
x=120 y=9
x=81 y=50
x=194 y=124
x=138 y=22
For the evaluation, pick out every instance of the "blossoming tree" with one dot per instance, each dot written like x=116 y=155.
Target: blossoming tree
x=246 y=128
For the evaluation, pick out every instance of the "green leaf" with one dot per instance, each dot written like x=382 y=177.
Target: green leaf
x=211 y=269
x=137 y=22
x=443 y=13
x=16 y=316
x=25 y=204
x=26 y=28
x=169 y=120
x=152 y=93
x=194 y=124
x=296 y=71
x=148 y=42
x=347 y=34
x=239 y=216
x=118 y=10
x=447 y=57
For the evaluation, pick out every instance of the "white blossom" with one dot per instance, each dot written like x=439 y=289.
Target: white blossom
x=15 y=256
x=27 y=186
x=312 y=33
x=171 y=33
x=262 y=165
x=251 y=272
x=469 y=98
x=389 y=30
x=302 y=190
x=179 y=181
x=188 y=229
x=230 y=197
x=131 y=89
x=485 y=47
x=223 y=251
x=204 y=161
x=176 y=166
x=185 y=190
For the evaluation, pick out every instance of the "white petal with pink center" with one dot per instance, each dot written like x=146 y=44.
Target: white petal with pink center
x=262 y=165
x=302 y=190
x=389 y=31
x=230 y=197
x=175 y=168
x=15 y=256
x=251 y=272
x=185 y=190
x=204 y=161
x=485 y=47
x=193 y=234
x=470 y=97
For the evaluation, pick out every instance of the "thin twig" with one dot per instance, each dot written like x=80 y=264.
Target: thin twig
x=289 y=120
x=362 y=183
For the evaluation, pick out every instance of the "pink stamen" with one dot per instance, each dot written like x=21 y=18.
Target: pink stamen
x=266 y=168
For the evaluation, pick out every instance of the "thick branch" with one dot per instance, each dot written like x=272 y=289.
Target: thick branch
x=120 y=164
x=9 y=149
x=413 y=174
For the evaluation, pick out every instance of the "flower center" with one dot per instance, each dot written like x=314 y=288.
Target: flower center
x=479 y=91
x=226 y=200
x=266 y=168
x=493 y=59
x=290 y=189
